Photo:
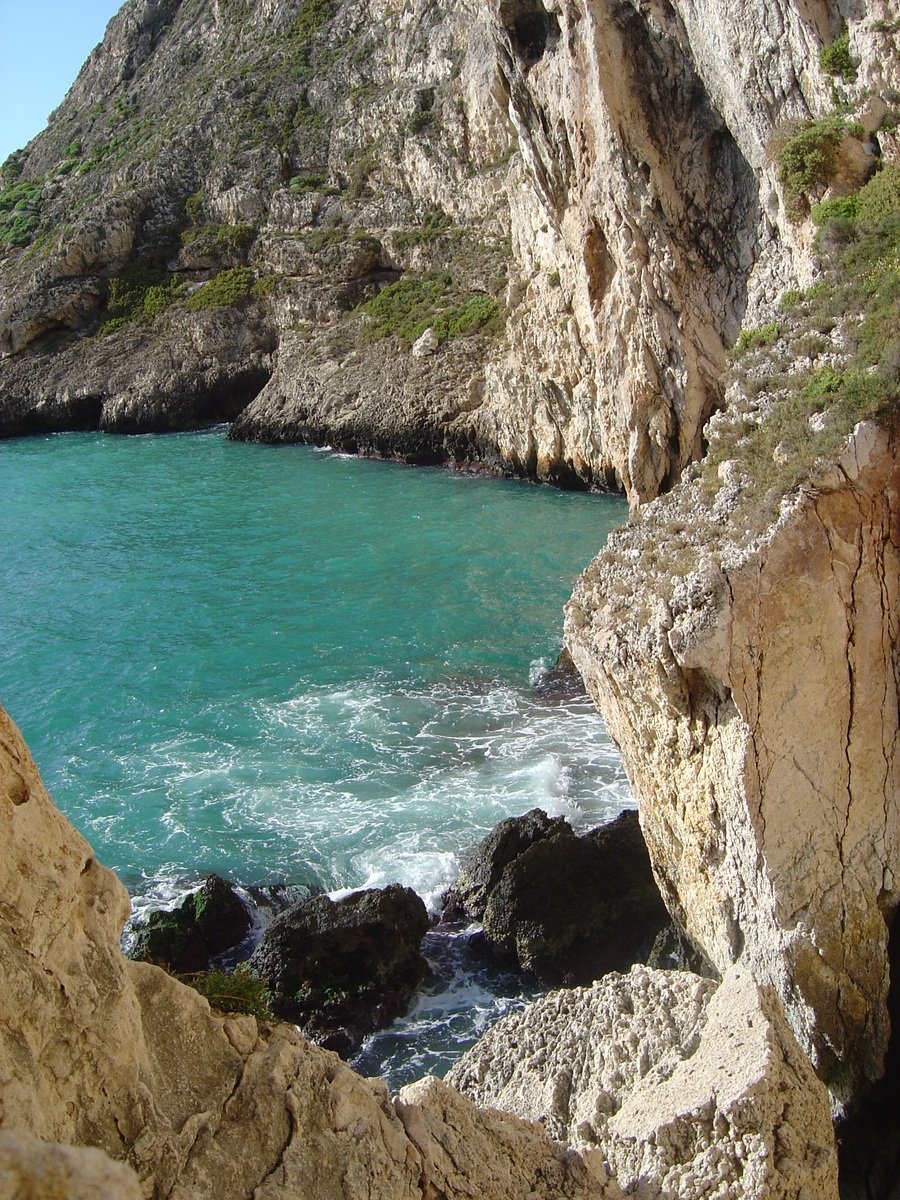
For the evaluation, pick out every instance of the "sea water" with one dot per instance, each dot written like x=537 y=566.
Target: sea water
x=289 y=666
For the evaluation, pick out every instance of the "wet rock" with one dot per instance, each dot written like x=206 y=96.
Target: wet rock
x=341 y=969
x=566 y=907
x=207 y=922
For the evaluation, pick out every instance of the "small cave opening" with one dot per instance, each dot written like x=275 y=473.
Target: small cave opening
x=531 y=28
x=869 y=1140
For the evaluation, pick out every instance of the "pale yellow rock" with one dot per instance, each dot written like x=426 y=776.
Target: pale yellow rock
x=685 y=1089
x=754 y=698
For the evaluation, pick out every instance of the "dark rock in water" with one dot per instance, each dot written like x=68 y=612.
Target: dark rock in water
x=563 y=680
x=567 y=908
x=342 y=969
x=469 y=895
x=187 y=938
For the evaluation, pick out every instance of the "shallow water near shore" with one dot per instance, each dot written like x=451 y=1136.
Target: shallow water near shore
x=288 y=666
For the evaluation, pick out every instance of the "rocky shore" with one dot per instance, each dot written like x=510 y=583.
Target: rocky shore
x=522 y=235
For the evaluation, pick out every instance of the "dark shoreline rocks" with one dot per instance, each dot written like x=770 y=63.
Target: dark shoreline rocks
x=564 y=907
x=341 y=969
x=206 y=923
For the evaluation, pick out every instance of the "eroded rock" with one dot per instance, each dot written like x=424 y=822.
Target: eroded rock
x=687 y=1089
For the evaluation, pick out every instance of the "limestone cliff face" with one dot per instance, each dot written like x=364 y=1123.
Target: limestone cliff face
x=589 y=187
x=752 y=683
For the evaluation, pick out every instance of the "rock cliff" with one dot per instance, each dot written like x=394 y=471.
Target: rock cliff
x=751 y=681
x=580 y=201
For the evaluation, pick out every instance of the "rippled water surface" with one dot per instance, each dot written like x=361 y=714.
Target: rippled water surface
x=284 y=665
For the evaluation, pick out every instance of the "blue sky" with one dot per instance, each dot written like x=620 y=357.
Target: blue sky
x=42 y=46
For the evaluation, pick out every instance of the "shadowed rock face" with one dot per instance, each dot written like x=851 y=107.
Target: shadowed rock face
x=566 y=908
x=586 y=185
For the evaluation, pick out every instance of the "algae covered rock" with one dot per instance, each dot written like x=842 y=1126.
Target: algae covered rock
x=186 y=938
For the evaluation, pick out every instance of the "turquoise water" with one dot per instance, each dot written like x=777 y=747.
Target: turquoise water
x=285 y=665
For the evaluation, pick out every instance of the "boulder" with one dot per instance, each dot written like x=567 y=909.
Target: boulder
x=187 y=938
x=341 y=969
x=565 y=907
x=686 y=1088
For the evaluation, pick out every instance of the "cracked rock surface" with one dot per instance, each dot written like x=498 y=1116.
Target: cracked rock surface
x=686 y=1088
x=752 y=688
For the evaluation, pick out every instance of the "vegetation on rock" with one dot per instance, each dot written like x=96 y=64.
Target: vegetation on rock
x=239 y=991
x=224 y=290
x=800 y=396
x=407 y=308
x=20 y=209
x=835 y=59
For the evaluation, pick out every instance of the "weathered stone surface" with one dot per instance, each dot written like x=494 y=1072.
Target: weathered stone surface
x=34 y=1170
x=186 y=938
x=607 y=180
x=341 y=969
x=687 y=1089
x=754 y=699
x=566 y=907
x=479 y=1152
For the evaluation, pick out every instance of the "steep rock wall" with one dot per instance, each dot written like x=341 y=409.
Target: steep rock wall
x=752 y=685
x=600 y=171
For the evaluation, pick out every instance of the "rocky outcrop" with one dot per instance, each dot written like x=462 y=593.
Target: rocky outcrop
x=187 y=938
x=565 y=907
x=34 y=1170
x=343 y=968
x=578 y=204
x=99 y=1051
x=752 y=687
x=715 y=1099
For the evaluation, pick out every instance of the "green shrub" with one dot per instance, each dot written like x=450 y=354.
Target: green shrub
x=240 y=992
x=790 y=299
x=265 y=286
x=20 y=211
x=840 y=207
x=142 y=289
x=407 y=308
x=219 y=239
x=806 y=160
x=764 y=335
x=880 y=197
x=193 y=206
x=223 y=291
x=836 y=59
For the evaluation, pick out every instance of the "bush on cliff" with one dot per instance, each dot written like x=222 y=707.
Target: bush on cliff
x=809 y=407
x=239 y=992
x=407 y=308
x=224 y=290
